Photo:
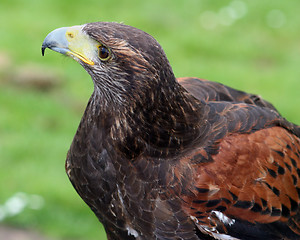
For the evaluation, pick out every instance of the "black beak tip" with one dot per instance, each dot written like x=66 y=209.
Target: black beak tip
x=43 y=50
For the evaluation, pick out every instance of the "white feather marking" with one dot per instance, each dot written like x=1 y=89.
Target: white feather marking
x=129 y=229
x=132 y=232
x=120 y=197
x=223 y=218
x=212 y=231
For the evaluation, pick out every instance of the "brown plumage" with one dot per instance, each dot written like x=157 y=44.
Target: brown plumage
x=160 y=158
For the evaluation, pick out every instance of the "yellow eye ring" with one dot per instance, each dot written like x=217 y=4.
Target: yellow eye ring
x=104 y=53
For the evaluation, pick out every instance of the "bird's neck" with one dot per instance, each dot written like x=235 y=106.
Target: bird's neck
x=163 y=120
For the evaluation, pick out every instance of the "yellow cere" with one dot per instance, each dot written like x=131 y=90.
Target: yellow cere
x=81 y=45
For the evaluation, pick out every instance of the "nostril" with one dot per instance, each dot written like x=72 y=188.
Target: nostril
x=70 y=35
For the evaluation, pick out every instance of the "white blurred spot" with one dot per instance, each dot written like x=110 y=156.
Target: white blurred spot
x=209 y=20
x=226 y=16
x=239 y=7
x=36 y=202
x=276 y=18
x=18 y=202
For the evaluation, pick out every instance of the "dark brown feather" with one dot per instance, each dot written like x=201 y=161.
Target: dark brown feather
x=212 y=91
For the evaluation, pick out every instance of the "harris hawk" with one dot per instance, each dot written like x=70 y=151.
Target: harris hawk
x=157 y=157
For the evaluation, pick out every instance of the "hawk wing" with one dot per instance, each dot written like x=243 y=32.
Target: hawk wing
x=246 y=178
x=213 y=91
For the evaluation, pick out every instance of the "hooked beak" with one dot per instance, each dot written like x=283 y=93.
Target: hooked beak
x=71 y=41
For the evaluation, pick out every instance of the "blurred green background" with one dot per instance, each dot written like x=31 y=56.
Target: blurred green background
x=249 y=45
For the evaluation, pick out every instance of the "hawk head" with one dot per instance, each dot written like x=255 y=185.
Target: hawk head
x=124 y=62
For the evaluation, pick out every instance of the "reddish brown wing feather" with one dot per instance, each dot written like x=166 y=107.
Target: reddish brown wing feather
x=254 y=177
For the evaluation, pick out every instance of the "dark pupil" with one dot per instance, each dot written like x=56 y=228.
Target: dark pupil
x=103 y=52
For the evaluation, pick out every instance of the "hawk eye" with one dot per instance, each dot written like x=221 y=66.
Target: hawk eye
x=104 y=53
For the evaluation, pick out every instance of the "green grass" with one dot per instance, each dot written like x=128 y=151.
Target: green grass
x=36 y=127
